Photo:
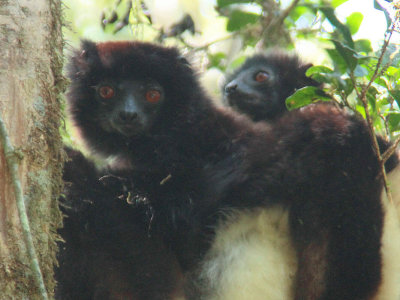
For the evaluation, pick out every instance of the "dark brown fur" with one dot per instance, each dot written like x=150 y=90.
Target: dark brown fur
x=107 y=252
x=197 y=160
x=266 y=101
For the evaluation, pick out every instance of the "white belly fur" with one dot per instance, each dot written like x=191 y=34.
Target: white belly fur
x=390 y=286
x=251 y=258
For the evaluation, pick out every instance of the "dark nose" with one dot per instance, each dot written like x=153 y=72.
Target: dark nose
x=127 y=116
x=231 y=87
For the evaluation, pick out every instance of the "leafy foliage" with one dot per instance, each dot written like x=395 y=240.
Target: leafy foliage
x=239 y=19
x=305 y=96
x=354 y=74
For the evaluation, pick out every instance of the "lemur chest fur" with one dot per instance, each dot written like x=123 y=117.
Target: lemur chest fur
x=251 y=257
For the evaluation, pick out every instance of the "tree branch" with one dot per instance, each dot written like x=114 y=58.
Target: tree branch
x=12 y=163
x=362 y=96
x=287 y=11
x=274 y=32
x=390 y=151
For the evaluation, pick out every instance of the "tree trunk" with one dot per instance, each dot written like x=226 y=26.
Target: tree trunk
x=30 y=87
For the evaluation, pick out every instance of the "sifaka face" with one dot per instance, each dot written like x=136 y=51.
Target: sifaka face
x=119 y=89
x=261 y=85
x=128 y=107
x=253 y=90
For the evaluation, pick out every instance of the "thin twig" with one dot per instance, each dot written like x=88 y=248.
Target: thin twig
x=376 y=72
x=391 y=150
x=362 y=96
x=207 y=45
x=12 y=163
x=287 y=11
x=274 y=19
x=371 y=131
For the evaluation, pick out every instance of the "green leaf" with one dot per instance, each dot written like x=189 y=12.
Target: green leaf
x=239 y=19
x=216 y=59
x=363 y=45
x=371 y=97
x=321 y=74
x=381 y=81
x=329 y=13
x=396 y=95
x=393 y=119
x=223 y=3
x=353 y=22
x=238 y=62
x=321 y=77
x=360 y=71
x=338 y=61
x=318 y=69
x=361 y=110
x=392 y=71
x=347 y=86
x=336 y=3
x=391 y=56
x=305 y=96
x=298 y=11
x=350 y=56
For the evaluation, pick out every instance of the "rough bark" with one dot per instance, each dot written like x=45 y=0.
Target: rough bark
x=30 y=84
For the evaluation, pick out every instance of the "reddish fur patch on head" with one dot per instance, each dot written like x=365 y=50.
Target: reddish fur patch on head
x=107 y=50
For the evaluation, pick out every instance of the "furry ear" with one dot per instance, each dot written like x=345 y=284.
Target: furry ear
x=83 y=59
x=303 y=69
x=183 y=60
x=307 y=81
x=88 y=50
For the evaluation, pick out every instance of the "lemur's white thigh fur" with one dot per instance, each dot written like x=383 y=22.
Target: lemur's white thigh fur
x=252 y=257
x=390 y=286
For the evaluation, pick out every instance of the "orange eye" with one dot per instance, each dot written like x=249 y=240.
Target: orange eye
x=106 y=92
x=153 y=96
x=261 y=76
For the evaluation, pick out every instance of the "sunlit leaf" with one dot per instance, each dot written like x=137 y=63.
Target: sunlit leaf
x=305 y=96
x=371 y=97
x=215 y=59
x=393 y=119
x=361 y=110
x=321 y=77
x=239 y=19
x=363 y=45
x=298 y=11
x=318 y=69
x=223 y=3
x=381 y=81
x=353 y=22
x=238 y=61
x=336 y=3
x=392 y=71
x=395 y=93
x=321 y=74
